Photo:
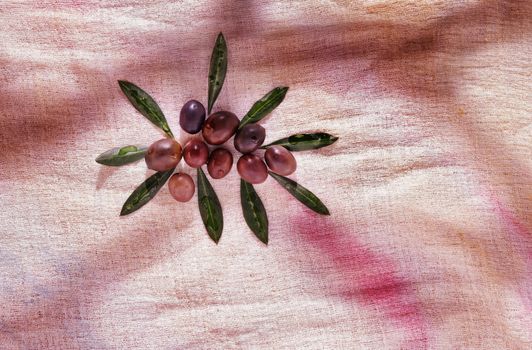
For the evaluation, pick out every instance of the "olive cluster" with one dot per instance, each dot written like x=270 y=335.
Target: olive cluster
x=217 y=129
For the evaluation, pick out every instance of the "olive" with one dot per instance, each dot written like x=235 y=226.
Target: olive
x=280 y=160
x=220 y=162
x=252 y=169
x=181 y=187
x=196 y=153
x=249 y=138
x=219 y=127
x=163 y=155
x=192 y=117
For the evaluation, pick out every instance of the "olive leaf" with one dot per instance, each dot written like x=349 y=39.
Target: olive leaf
x=265 y=105
x=209 y=207
x=301 y=194
x=121 y=155
x=304 y=142
x=145 y=104
x=217 y=70
x=254 y=212
x=145 y=192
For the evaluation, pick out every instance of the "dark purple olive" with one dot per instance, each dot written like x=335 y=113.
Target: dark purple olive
x=219 y=127
x=252 y=169
x=249 y=138
x=196 y=153
x=220 y=163
x=192 y=116
x=181 y=187
x=163 y=155
x=280 y=160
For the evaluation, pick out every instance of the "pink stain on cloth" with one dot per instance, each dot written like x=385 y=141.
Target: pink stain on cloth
x=521 y=239
x=369 y=278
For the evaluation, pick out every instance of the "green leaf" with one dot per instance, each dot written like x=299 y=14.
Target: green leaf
x=254 y=211
x=265 y=105
x=217 y=70
x=209 y=207
x=304 y=142
x=146 y=105
x=145 y=192
x=121 y=155
x=301 y=194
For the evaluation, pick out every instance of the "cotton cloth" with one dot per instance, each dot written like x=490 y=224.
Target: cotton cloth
x=428 y=245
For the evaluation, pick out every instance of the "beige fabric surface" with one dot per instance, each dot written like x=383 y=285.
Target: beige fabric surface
x=429 y=186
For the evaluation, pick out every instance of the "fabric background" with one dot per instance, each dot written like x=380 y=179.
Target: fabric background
x=429 y=241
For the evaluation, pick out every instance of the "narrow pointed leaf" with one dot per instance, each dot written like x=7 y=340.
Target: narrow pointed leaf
x=146 y=105
x=254 y=212
x=304 y=142
x=209 y=207
x=217 y=70
x=264 y=106
x=121 y=155
x=301 y=194
x=145 y=192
